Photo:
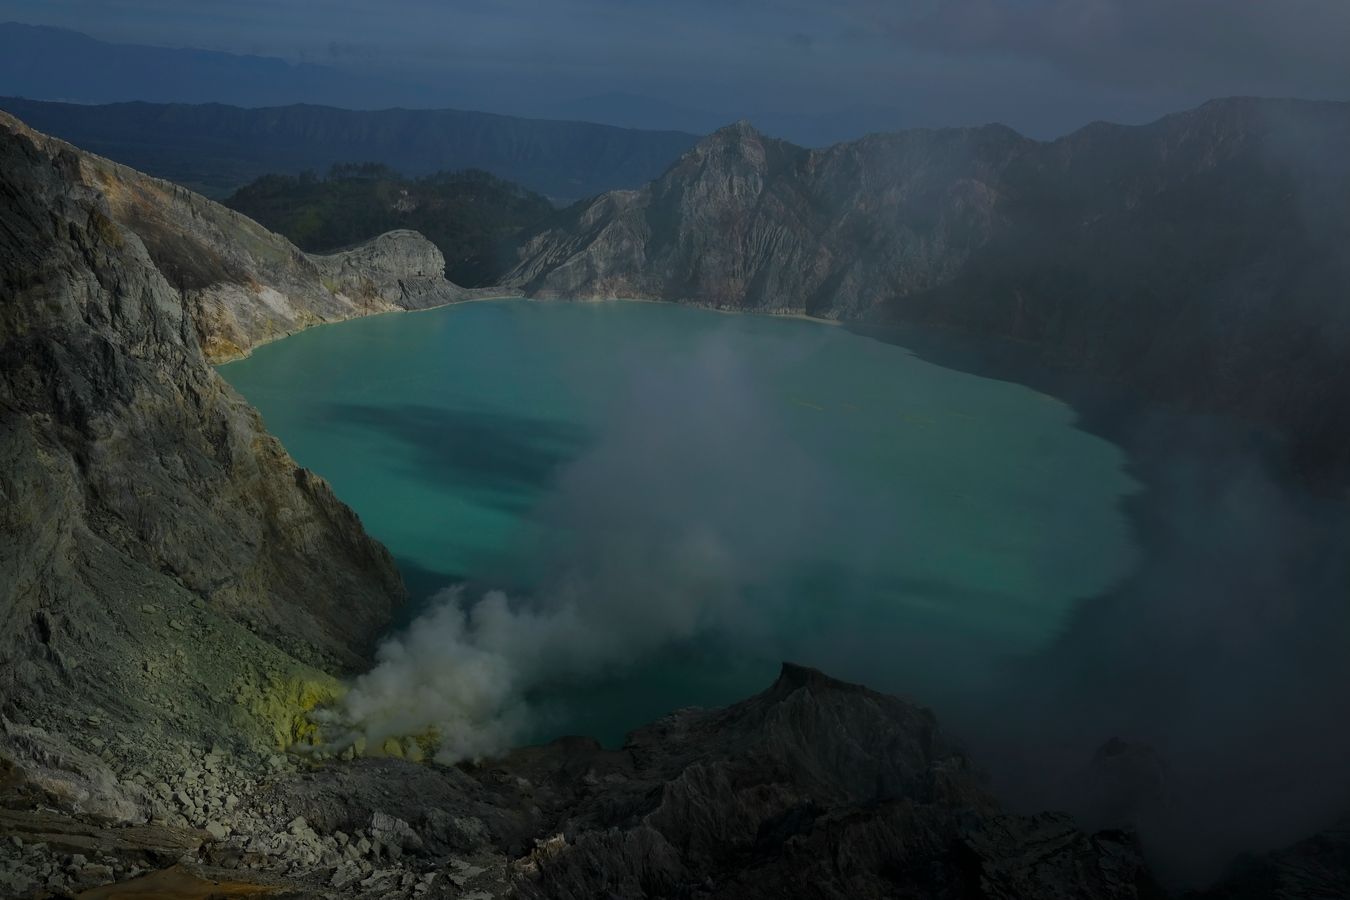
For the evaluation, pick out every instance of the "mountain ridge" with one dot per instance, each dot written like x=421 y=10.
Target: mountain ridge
x=218 y=147
x=1167 y=256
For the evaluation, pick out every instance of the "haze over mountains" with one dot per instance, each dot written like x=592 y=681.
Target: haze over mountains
x=216 y=148
x=1200 y=259
x=981 y=229
x=44 y=63
x=1220 y=224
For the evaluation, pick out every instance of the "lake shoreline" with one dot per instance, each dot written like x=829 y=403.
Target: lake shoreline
x=525 y=298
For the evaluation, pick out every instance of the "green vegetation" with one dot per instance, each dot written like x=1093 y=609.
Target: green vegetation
x=472 y=216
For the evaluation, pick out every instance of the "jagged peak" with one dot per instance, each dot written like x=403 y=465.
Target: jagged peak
x=1235 y=108
x=739 y=139
x=739 y=127
x=794 y=676
x=737 y=132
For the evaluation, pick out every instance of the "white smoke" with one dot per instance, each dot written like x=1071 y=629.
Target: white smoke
x=691 y=497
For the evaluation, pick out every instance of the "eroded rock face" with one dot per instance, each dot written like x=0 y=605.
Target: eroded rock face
x=744 y=221
x=399 y=267
x=241 y=284
x=161 y=552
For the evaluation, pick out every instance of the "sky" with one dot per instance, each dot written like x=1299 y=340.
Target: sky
x=1042 y=66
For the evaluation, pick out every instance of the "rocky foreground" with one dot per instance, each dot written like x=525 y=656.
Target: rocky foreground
x=176 y=596
x=812 y=783
x=813 y=788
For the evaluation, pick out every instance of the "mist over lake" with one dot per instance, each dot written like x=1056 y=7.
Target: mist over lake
x=711 y=493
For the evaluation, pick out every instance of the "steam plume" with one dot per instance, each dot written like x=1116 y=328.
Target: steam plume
x=693 y=496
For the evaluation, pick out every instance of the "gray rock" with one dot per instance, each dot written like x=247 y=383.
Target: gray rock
x=139 y=463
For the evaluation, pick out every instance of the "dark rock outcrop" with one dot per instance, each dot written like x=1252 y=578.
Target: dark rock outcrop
x=813 y=788
x=1200 y=259
x=814 y=783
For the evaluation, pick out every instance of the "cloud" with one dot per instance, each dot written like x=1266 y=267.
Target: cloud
x=1214 y=46
x=1043 y=66
x=1219 y=667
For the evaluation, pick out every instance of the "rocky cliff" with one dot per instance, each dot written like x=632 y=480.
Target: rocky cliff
x=169 y=578
x=240 y=283
x=1201 y=259
x=743 y=221
x=165 y=562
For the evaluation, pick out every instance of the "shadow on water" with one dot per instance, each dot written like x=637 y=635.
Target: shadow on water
x=496 y=460
x=1220 y=663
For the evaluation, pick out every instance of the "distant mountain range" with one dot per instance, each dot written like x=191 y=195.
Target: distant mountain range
x=809 y=129
x=44 y=63
x=60 y=64
x=216 y=149
x=1200 y=259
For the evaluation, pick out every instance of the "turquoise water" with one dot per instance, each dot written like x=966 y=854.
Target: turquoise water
x=864 y=511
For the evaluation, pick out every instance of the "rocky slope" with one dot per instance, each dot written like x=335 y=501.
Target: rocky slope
x=744 y=221
x=1200 y=259
x=168 y=572
x=170 y=580
x=240 y=283
x=812 y=788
